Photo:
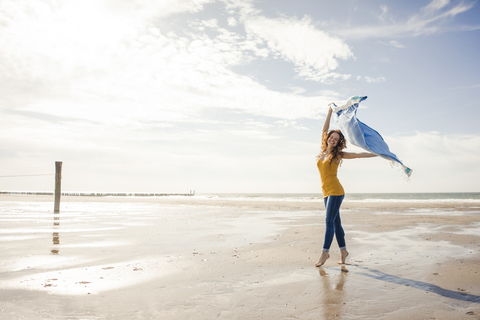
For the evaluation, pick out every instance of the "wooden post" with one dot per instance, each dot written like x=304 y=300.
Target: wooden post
x=58 y=185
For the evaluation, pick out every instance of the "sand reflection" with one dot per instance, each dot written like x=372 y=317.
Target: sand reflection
x=55 y=235
x=333 y=296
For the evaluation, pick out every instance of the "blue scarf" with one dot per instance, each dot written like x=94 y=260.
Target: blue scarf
x=361 y=135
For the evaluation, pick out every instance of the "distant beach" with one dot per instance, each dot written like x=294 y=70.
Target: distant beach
x=238 y=256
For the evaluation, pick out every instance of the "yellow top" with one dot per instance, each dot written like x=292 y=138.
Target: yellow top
x=328 y=173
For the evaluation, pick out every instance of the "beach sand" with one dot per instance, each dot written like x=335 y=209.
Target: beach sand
x=200 y=258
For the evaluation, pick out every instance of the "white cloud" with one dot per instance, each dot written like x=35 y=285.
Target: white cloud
x=120 y=65
x=243 y=8
x=374 y=80
x=212 y=23
x=133 y=69
x=436 y=5
x=314 y=52
x=396 y=44
x=297 y=90
x=232 y=21
x=429 y=20
x=145 y=10
x=384 y=10
x=290 y=123
x=257 y=134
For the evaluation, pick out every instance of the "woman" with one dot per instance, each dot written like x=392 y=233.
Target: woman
x=330 y=157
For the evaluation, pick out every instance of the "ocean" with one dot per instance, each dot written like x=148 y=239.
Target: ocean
x=367 y=197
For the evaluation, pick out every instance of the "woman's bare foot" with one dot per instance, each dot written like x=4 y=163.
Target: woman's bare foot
x=344 y=254
x=325 y=255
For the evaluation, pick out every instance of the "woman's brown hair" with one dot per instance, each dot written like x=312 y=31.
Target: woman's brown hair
x=336 y=153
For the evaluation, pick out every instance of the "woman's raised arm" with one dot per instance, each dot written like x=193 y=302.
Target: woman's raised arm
x=326 y=125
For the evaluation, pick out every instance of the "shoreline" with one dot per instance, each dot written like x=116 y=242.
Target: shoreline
x=314 y=204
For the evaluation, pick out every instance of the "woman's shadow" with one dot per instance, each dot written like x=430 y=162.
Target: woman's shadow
x=425 y=286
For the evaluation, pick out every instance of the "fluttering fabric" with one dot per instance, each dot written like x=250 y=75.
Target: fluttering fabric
x=361 y=135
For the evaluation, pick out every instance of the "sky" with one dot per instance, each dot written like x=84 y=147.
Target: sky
x=230 y=96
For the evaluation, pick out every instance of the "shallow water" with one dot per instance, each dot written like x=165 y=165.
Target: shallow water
x=38 y=244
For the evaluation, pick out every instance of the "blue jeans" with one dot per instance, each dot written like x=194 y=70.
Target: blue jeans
x=333 y=223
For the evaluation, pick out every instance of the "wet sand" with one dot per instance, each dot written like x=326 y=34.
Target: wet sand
x=197 y=258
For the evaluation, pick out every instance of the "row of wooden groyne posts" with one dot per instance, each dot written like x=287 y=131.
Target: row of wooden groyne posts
x=100 y=194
